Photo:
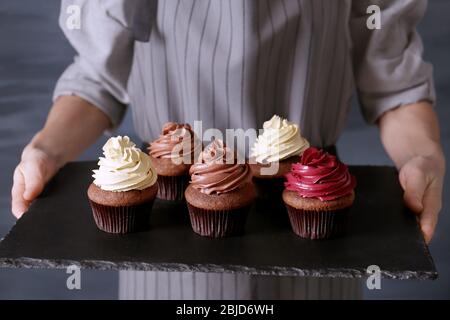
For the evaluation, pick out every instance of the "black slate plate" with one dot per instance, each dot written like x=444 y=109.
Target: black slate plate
x=59 y=231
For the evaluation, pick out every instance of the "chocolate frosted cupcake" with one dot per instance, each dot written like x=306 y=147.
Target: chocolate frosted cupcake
x=319 y=191
x=172 y=154
x=273 y=153
x=124 y=188
x=220 y=194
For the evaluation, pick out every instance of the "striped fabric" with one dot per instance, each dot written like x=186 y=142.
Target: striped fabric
x=161 y=285
x=235 y=63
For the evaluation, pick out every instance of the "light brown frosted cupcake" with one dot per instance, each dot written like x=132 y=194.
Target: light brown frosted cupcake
x=124 y=188
x=172 y=154
x=220 y=194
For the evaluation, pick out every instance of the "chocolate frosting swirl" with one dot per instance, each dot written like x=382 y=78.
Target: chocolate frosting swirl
x=320 y=175
x=177 y=140
x=217 y=170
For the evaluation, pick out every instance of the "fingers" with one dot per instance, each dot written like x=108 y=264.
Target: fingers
x=27 y=185
x=414 y=183
x=19 y=205
x=34 y=181
x=423 y=184
x=30 y=177
x=432 y=206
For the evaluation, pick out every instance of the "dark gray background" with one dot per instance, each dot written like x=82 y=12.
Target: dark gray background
x=33 y=53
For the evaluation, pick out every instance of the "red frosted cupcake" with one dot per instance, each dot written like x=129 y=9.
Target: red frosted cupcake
x=220 y=194
x=319 y=191
x=172 y=154
x=124 y=188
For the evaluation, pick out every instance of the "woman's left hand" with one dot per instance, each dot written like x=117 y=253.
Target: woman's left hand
x=422 y=180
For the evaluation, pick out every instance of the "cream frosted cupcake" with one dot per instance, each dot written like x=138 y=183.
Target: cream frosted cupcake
x=273 y=153
x=124 y=188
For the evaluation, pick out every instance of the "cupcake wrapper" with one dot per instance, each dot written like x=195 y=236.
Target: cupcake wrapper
x=317 y=224
x=218 y=223
x=172 y=188
x=124 y=219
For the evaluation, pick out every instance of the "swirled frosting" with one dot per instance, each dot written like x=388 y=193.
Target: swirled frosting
x=320 y=175
x=124 y=167
x=217 y=170
x=177 y=142
x=280 y=140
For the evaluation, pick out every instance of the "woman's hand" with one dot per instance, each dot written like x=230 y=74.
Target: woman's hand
x=73 y=124
x=410 y=135
x=422 y=180
x=35 y=169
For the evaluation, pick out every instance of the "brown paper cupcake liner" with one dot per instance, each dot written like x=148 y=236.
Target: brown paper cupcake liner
x=317 y=224
x=172 y=188
x=124 y=219
x=218 y=223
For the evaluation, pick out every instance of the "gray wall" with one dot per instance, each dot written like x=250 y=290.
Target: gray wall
x=33 y=53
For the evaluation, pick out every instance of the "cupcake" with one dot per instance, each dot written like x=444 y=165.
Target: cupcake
x=319 y=191
x=220 y=194
x=273 y=153
x=172 y=154
x=124 y=188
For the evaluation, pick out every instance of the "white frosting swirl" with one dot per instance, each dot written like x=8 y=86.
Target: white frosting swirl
x=280 y=140
x=124 y=167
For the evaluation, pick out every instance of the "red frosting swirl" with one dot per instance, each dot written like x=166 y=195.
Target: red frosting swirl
x=320 y=175
x=217 y=170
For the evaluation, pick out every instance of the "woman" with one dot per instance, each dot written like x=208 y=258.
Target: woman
x=233 y=64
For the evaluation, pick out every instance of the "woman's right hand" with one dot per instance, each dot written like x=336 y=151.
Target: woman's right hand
x=35 y=169
x=72 y=125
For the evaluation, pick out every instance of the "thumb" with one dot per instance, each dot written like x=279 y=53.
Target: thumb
x=413 y=181
x=34 y=180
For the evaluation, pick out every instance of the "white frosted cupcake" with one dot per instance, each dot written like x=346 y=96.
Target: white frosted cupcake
x=273 y=153
x=124 y=188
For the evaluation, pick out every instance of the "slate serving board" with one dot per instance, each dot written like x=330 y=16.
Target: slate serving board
x=59 y=231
